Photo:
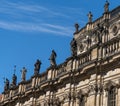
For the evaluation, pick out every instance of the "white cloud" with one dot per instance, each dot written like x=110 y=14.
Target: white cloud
x=21 y=16
x=27 y=27
x=16 y=8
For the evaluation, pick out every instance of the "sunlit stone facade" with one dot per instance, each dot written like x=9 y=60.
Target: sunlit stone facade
x=90 y=77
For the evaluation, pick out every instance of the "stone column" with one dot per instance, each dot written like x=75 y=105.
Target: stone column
x=49 y=74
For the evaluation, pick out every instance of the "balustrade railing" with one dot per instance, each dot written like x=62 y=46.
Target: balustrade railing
x=84 y=58
x=111 y=48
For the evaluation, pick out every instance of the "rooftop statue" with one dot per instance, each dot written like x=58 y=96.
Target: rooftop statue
x=6 y=87
x=106 y=7
x=90 y=17
x=23 y=76
x=73 y=44
x=53 y=58
x=14 y=80
x=37 y=67
x=77 y=28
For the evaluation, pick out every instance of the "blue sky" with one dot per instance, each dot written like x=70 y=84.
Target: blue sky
x=30 y=29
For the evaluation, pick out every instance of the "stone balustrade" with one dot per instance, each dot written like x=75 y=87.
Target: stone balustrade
x=84 y=58
x=111 y=47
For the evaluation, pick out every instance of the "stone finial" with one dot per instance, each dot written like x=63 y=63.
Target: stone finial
x=77 y=28
x=90 y=17
x=106 y=7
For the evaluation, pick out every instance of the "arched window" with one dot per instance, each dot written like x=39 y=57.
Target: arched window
x=112 y=97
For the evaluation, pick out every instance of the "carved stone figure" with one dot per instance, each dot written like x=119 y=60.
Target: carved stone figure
x=37 y=67
x=14 y=80
x=106 y=7
x=91 y=89
x=23 y=76
x=77 y=28
x=73 y=44
x=99 y=33
x=90 y=17
x=6 y=87
x=53 y=58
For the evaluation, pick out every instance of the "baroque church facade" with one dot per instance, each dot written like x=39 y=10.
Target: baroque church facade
x=90 y=77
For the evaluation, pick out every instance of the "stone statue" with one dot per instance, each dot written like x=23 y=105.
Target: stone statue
x=77 y=28
x=99 y=34
x=73 y=44
x=37 y=67
x=14 y=80
x=23 y=76
x=6 y=87
x=106 y=7
x=53 y=58
x=90 y=17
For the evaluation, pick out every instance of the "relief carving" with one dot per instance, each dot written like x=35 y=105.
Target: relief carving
x=93 y=88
